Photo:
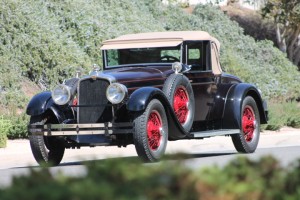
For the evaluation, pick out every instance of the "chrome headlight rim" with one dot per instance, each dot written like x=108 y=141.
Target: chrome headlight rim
x=116 y=93
x=63 y=98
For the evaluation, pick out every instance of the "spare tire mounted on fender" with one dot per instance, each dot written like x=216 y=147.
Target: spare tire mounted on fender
x=179 y=92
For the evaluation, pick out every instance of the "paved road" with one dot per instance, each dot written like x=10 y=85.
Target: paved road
x=17 y=159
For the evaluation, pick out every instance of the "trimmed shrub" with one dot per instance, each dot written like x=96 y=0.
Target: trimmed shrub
x=18 y=128
x=283 y=114
x=5 y=125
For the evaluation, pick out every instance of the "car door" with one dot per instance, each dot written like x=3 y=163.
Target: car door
x=202 y=79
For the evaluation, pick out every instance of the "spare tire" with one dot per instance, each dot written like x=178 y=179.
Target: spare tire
x=179 y=92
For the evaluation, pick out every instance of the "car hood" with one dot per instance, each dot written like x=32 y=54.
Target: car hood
x=140 y=76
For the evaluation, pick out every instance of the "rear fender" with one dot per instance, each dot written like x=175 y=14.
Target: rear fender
x=140 y=99
x=233 y=105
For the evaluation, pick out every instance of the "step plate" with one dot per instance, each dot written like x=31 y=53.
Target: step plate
x=211 y=133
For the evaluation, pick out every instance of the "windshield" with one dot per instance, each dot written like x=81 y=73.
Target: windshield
x=115 y=57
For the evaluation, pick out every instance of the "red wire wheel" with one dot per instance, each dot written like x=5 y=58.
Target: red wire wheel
x=180 y=104
x=248 y=123
x=150 y=132
x=154 y=127
x=247 y=140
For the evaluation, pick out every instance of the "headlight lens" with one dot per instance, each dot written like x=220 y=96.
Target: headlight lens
x=116 y=92
x=61 y=94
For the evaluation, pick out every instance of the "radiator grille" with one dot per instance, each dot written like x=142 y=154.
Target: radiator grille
x=91 y=100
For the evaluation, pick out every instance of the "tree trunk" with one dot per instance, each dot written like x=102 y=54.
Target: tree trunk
x=293 y=45
x=297 y=55
x=280 y=39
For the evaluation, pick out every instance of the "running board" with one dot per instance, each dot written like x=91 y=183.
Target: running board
x=211 y=133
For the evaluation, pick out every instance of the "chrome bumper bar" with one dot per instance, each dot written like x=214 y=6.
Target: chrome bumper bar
x=80 y=129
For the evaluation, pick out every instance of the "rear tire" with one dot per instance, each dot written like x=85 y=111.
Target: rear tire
x=247 y=140
x=45 y=149
x=151 y=132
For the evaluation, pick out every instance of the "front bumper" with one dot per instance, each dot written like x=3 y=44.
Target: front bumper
x=80 y=129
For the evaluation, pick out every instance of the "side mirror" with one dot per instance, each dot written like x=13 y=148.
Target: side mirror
x=180 y=68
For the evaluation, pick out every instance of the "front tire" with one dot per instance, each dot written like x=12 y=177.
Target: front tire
x=151 y=132
x=48 y=150
x=247 y=140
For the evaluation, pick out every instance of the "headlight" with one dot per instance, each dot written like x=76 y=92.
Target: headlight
x=61 y=94
x=116 y=92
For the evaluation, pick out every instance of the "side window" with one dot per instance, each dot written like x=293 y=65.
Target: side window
x=194 y=54
x=194 y=50
x=198 y=55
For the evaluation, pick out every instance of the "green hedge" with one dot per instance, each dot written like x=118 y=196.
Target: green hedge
x=48 y=40
x=256 y=62
x=128 y=179
x=284 y=114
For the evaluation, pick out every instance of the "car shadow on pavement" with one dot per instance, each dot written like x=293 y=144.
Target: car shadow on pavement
x=167 y=157
x=186 y=156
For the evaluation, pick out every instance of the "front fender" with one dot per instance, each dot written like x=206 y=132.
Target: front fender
x=38 y=104
x=233 y=105
x=42 y=102
x=140 y=99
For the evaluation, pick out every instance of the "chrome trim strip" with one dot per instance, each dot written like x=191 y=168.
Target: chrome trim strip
x=80 y=129
x=69 y=133
x=69 y=126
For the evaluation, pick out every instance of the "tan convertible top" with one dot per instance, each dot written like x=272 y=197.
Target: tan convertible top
x=164 y=39
x=156 y=39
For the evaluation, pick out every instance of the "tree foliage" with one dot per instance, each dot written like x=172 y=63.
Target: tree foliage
x=286 y=14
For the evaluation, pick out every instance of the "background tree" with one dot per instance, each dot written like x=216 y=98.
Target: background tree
x=286 y=15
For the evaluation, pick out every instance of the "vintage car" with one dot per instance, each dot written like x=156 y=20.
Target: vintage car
x=154 y=88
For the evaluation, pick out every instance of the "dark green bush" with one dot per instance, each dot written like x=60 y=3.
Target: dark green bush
x=127 y=178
